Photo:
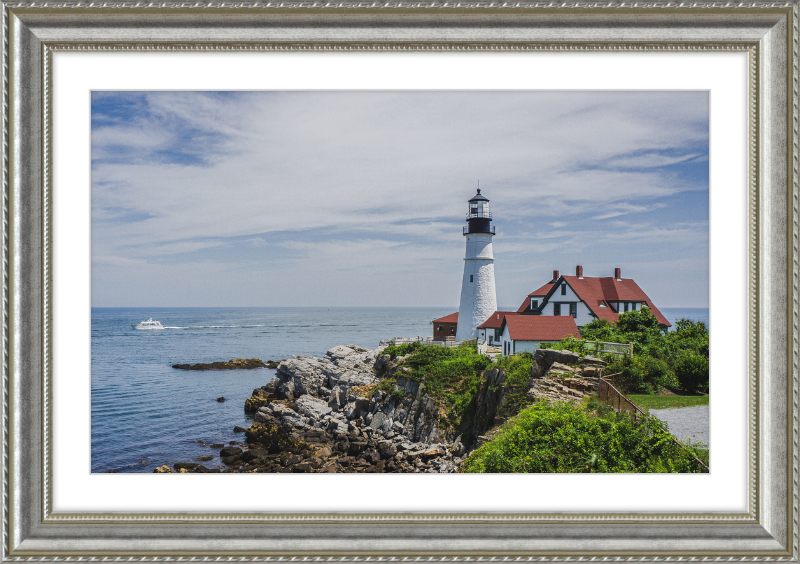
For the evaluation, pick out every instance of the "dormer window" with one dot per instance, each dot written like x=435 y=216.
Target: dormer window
x=534 y=303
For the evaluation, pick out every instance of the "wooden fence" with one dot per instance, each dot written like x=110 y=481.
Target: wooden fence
x=612 y=397
x=449 y=342
x=608 y=348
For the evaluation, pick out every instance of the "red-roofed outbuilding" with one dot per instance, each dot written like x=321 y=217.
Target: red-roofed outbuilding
x=444 y=328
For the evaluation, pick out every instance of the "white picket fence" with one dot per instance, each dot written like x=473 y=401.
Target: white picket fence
x=429 y=341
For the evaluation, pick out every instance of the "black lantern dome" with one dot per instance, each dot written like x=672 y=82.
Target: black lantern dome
x=478 y=215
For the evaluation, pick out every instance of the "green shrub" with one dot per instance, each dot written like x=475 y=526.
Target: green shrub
x=691 y=370
x=642 y=374
x=566 y=438
x=401 y=350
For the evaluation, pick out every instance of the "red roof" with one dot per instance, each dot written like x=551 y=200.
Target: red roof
x=495 y=321
x=452 y=318
x=541 y=292
x=541 y=327
x=596 y=291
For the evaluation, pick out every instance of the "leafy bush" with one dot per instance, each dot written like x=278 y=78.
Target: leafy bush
x=566 y=438
x=401 y=350
x=642 y=374
x=450 y=375
x=691 y=370
x=655 y=351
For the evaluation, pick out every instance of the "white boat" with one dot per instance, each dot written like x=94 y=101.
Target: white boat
x=149 y=324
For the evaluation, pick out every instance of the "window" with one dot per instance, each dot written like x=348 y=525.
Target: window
x=573 y=310
x=452 y=329
x=470 y=277
x=439 y=328
x=556 y=309
x=564 y=289
x=534 y=303
x=626 y=306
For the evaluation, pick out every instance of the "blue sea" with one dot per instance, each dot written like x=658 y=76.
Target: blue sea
x=146 y=413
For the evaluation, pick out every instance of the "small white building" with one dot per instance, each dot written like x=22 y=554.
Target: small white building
x=489 y=330
x=520 y=333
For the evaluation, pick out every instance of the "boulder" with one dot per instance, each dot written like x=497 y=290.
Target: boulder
x=254 y=454
x=593 y=360
x=550 y=356
x=311 y=407
x=286 y=390
x=558 y=368
x=387 y=449
x=165 y=469
x=338 y=397
x=230 y=451
x=382 y=362
x=377 y=420
x=187 y=465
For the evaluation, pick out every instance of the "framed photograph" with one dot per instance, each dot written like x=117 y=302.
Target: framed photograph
x=165 y=159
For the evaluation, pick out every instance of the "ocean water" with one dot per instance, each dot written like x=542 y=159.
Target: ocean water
x=146 y=413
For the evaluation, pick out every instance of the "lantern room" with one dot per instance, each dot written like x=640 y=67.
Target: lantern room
x=478 y=215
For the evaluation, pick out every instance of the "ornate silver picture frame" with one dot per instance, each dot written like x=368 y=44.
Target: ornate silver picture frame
x=766 y=31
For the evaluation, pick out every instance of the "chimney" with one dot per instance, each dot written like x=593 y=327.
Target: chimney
x=555 y=275
x=579 y=271
x=618 y=273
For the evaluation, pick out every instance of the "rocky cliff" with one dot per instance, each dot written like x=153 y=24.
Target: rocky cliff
x=354 y=411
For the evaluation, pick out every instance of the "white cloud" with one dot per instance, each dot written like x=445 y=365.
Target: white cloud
x=376 y=169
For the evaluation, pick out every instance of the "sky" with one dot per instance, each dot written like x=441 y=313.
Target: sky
x=358 y=198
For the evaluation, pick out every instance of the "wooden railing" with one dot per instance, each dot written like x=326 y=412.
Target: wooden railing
x=429 y=341
x=612 y=397
x=608 y=348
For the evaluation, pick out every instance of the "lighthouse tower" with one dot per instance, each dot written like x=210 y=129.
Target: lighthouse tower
x=478 y=296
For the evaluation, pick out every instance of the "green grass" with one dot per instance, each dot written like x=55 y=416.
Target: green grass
x=648 y=402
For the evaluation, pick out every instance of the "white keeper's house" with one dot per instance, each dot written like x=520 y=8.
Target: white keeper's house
x=586 y=298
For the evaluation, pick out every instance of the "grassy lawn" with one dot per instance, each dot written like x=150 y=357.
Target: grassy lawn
x=647 y=402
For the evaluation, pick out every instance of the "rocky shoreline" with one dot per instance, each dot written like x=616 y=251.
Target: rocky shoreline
x=232 y=364
x=330 y=415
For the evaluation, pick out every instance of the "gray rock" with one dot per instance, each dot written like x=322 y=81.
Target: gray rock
x=382 y=362
x=311 y=407
x=593 y=360
x=377 y=420
x=387 y=449
x=338 y=397
x=286 y=390
x=564 y=357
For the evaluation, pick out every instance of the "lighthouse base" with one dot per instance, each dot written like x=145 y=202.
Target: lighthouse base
x=478 y=297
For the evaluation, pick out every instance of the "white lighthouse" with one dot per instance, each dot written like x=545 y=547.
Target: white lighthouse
x=478 y=296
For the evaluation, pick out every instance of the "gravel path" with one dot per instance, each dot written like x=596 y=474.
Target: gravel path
x=686 y=422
